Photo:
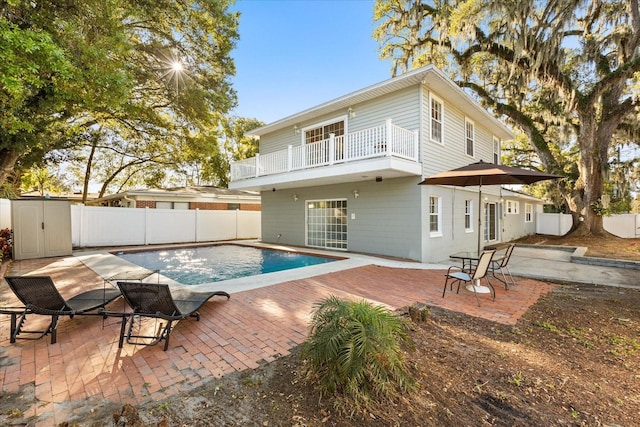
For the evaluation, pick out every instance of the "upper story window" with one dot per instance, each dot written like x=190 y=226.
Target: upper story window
x=496 y=150
x=321 y=132
x=470 y=132
x=437 y=119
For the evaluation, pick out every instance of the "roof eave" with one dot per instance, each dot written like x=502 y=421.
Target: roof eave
x=414 y=77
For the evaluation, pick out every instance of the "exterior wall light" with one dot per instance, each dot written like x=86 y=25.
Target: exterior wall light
x=296 y=130
x=295 y=197
x=352 y=113
x=356 y=194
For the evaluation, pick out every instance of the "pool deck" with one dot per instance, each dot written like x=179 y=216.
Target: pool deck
x=265 y=318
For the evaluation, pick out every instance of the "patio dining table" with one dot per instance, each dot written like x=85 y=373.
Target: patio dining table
x=469 y=260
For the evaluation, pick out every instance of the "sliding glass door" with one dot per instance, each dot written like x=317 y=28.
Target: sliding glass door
x=327 y=224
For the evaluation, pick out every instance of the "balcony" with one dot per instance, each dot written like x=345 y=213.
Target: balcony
x=395 y=148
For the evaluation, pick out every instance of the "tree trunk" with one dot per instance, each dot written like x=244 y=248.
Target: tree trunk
x=87 y=172
x=589 y=187
x=8 y=159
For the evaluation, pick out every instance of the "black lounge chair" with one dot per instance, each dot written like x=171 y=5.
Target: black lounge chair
x=157 y=301
x=40 y=296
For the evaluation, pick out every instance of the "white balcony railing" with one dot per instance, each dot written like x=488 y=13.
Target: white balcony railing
x=380 y=141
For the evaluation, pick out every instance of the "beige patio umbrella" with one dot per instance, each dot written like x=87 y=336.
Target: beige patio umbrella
x=483 y=173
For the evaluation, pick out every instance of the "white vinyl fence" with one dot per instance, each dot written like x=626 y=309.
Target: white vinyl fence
x=5 y=214
x=93 y=226
x=623 y=225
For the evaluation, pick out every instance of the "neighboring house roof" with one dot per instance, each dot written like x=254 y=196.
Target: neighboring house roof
x=430 y=76
x=189 y=192
x=72 y=197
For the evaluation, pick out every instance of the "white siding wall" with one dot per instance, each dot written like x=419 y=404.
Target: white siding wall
x=5 y=213
x=391 y=218
x=383 y=220
x=402 y=107
x=452 y=153
x=454 y=237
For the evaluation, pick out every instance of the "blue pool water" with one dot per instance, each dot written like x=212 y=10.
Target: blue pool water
x=193 y=266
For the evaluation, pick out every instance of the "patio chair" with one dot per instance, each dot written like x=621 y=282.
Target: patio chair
x=456 y=275
x=152 y=300
x=40 y=296
x=500 y=263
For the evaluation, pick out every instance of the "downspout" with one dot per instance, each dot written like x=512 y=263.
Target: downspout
x=128 y=200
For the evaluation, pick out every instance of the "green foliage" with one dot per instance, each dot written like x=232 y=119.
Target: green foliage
x=97 y=78
x=43 y=180
x=355 y=350
x=565 y=74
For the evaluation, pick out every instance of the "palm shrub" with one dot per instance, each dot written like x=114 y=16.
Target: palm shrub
x=355 y=348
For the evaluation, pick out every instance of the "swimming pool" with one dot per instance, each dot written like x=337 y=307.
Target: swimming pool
x=205 y=264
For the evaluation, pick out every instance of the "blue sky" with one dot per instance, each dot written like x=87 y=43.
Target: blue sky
x=296 y=54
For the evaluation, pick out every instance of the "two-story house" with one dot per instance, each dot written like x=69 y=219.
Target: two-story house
x=343 y=175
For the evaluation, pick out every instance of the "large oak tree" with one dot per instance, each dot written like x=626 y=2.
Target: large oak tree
x=111 y=74
x=565 y=72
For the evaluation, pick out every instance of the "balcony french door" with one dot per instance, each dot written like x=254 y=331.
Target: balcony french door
x=317 y=140
x=327 y=224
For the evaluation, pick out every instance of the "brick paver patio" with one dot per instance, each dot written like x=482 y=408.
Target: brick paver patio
x=86 y=368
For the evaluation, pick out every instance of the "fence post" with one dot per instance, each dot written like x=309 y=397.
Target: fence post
x=146 y=225
x=197 y=215
x=80 y=227
x=237 y=220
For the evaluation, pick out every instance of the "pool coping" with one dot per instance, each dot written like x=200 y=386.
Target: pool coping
x=106 y=264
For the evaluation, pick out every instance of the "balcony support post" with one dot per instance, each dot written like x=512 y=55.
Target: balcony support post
x=289 y=158
x=389 y=131
x=416 y=146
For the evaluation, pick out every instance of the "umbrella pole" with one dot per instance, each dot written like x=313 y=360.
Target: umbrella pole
x=480 y=211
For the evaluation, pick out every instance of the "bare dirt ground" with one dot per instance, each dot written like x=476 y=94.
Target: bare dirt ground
x=572 y=360
x=604 y=247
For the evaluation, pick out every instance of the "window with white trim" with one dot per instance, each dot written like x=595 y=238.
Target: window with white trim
x=437 y=119
x=470 y=136
x=513 y=207
x=528 y=212
x=435 y=219
x=496 y=150
x=468 y=215
x=327 y=223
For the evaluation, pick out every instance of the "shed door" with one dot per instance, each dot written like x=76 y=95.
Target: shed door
x=41 y=228
x=28 y=235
